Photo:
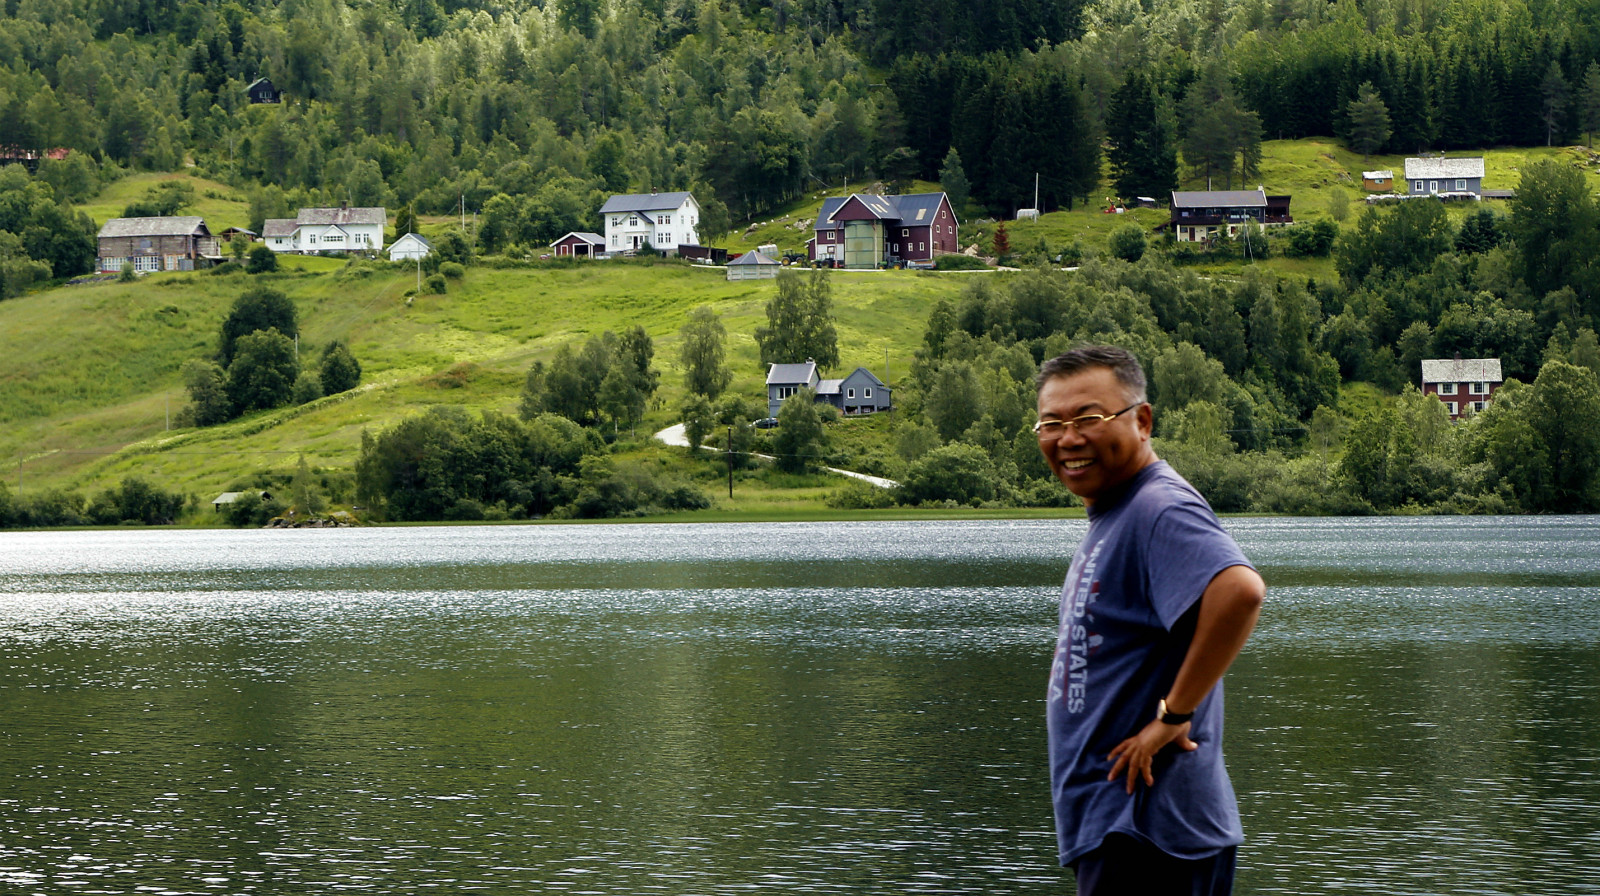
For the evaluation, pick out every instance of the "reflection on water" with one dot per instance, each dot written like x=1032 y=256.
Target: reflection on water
x=803 y=708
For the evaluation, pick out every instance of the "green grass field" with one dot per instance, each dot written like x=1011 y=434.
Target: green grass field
x=91 y=375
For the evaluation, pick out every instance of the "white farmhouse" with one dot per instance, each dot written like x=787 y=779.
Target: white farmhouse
x=663 y=220
x=318 y=230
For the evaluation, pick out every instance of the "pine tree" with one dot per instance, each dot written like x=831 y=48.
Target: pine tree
x=1557 y=95
x=1589 y=101
x=1369 y=120
x=953 y=178
x=1142 y=154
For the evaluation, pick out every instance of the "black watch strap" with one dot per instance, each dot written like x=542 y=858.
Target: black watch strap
x=1171 y=718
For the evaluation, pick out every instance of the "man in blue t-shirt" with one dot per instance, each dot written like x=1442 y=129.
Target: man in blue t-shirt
x=1158 y=602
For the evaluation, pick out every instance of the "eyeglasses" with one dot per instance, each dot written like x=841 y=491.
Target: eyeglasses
x=1087 y=425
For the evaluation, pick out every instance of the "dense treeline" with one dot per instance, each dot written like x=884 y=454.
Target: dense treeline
x=442 y=107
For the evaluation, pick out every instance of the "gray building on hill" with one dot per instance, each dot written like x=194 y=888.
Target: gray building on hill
x=173 y=243
x=1445 y=177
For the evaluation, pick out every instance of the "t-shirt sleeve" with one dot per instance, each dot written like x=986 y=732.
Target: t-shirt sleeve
x=1186 y=550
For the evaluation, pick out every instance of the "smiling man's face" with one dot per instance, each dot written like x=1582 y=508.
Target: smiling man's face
x=1092 y=464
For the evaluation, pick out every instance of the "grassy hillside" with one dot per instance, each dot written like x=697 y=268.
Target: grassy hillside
x=91 y=374
x=93 y=371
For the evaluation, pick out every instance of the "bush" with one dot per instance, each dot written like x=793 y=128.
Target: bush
x=452 y=269
x=435 y=284
x=858 y=495
x=261 y=260
x=957 y=472
x=1128 y=242
x=959 y=262
x=227 y=267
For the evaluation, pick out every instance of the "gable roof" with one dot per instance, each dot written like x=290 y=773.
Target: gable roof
x=912 y=208
x=1217 y=198
x=593 y=239
x=864 y=373
x=276 y=227
x=780 y=374
x=754 y=256
x=1458 y=370
x=341 y=216
x=414 y=237
x=645 y=202
x=1378 y=175
x=1444 y=168
x=172 y=225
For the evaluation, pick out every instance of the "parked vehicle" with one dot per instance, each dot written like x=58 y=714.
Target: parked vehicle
x=766 y=423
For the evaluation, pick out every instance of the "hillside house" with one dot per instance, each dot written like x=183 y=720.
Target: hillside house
x=176 y=243
x=410 y=247
x=1464 y=385
x=261 y=90
x=659 y=220
x=30 y=158
x=784 y=380
x=318 y=230
x=1446 y=178
x=858 y=393
x=1204 y=215
x=864 y=231
x=579 y=245
x=753 y=265
x=1378 y=181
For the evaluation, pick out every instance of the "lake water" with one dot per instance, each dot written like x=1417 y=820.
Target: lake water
x=786 y=708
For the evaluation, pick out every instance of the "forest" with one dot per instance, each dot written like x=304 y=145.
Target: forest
x=527 y=114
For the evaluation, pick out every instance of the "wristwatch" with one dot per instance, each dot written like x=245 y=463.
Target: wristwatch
x=1171 y=718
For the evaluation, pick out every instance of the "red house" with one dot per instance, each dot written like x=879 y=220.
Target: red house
x=1463 y=385
x=867 y=231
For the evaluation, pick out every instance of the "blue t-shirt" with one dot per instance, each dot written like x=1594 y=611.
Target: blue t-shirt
x=1125 y=626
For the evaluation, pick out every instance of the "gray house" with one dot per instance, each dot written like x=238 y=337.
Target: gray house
x=858 y=393
x=1445 y=177
x=783 y=380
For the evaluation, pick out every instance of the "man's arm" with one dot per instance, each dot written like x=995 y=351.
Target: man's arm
x=1229 y=608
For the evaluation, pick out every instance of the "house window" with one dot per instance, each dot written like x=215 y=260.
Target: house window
x=147 y=263
x=334 y=238
x=111 y=264
x=905 y=231
x=666 y=239
x=616 y=220
x=1447 y=388
x=850 y=393
x=867 y=392
x=633 y=221
x=922 y=247
x=1479 y=405
x=1416 y=186
x=1461 y=185
x=613 y=239
x=1451 y=407
x=1433 y=186
x=666 y=219
x=1478 y=389
x=312 y=239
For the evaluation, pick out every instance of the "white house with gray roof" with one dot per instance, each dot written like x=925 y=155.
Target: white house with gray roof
x=662 y=221
x=1444 y=177
x=317 y=230
x=1463 y=384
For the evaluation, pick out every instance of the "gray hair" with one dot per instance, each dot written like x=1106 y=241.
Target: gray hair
x=1119 y=361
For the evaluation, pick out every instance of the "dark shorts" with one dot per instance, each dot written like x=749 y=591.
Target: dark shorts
x=1125 y=866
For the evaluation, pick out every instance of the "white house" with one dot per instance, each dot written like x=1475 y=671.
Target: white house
x=662 y=220
x=318 y=230
x=410 y=248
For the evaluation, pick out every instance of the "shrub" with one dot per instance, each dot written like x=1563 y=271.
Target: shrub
x=452 y=269
x=959 y=262
x=261 y=260
x=435 y=284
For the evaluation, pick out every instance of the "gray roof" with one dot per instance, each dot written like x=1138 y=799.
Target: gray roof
x=829 y=387
x=275 y=227
x=1458 y=370
x=416 y=236
x=341 y=216
x=779 y=374
x=644 y=202
x=912 y=208
x=1444 y=168
x=754 y=256
x=1218 y=198
x=591 y=238
x=175 y=225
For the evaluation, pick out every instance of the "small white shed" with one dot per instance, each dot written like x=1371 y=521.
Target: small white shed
x=410 y=248
x=753 y=265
